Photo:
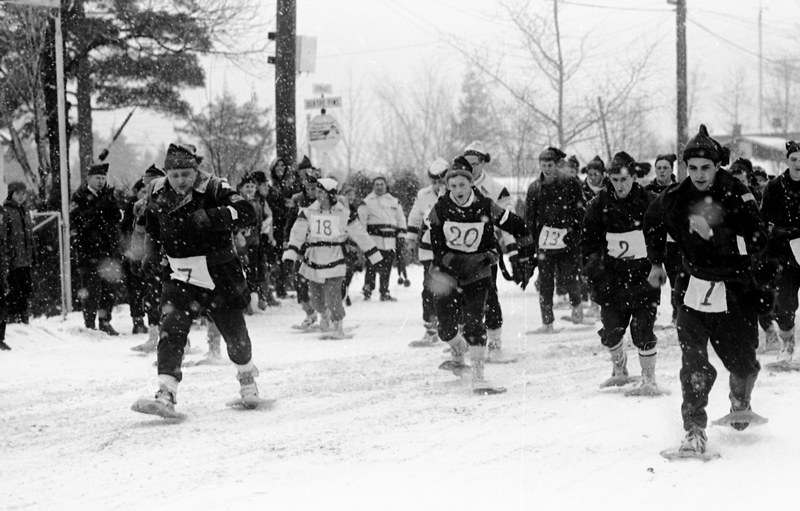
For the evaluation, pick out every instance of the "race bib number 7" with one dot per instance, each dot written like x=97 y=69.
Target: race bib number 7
x=191 y=270
x=705 y=296
x=551 y=238
x=463 y=236
x=626 y=245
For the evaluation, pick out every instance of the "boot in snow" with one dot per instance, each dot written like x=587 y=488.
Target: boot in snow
x=477 y=356
x=648 y=386
x=163 y=404
x=695 y=441
x=4 y=346
x=249 y=389
x=619 y=373
x=495 y=354
x=152 y=341
x=456 y=365
x=104 y=325
x=787 y=349
x=430 y=338
x=138 y=326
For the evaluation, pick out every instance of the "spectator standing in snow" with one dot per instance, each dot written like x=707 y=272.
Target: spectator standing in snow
x=189 y=217
x=384 y=219
x=554 y=210
x=595 y=180
x=781 y=211
x=615 y=262
x=3 y=282
x=20 y=249
x=715 y=221
x=419 y=238
x=95 y=218
x=323 y=228
x=462 y=226
x=354 y=258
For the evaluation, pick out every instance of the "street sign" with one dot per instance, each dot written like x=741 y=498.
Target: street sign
x=319 y=103
x=37 y=3
x=321 y=88
x=323 y=132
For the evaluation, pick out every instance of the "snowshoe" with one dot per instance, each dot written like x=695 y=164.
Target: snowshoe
x=488 y=390
x=301 y=328
x=648 y=389
x=339 y=334
x=455 y=367
x=783 y=366
x=692 y=447
x=499 y=356
x=677 y=454
x=429 y=340
x=163 y=405
x=259 y=403
x=546 y=329
x=739 y=420
x=576 y=321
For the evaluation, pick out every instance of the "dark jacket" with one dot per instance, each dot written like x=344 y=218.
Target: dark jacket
x=618 y=277
x=19 y=235
x=3 y=260
x=656 y=188
x=556 y=203
x=94 y=220
x=780 y=209
x=299 y=200
x=738 y=230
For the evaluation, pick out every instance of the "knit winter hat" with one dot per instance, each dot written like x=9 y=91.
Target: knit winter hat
x=259 y=177
x=153 y=171
x=792 y=147
x=552 y=154
x=596 y=163
x=703 y=146
x=437 y=168
x=622 y=160
x=98 y=169
x=460 y=167
x=181 y=156
x=475 y=148
x=573 y=162
x=247 y=179
x=671 y=158
x=16 y=186
x=742 y=165
x=305 y=163
x=642 y=168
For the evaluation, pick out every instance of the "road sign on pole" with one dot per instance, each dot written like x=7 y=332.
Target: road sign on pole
x=323 y=132
x=319 y=103
x=321 y=88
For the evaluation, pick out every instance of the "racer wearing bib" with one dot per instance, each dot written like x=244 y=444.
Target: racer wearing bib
x=615 y=262
x=715 y=221
x=781 y=210
x=554 y=211
x=462 y=227
x=189 y=216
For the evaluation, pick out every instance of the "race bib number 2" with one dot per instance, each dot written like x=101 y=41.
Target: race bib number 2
x=626 y=245
x=463 y=236
x=705 y=296
x=191 y=270
x=551 y=238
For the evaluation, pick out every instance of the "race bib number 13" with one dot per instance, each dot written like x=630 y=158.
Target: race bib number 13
x=192 y=270
x=705 y=296
x=463 y=236
x=551 y=238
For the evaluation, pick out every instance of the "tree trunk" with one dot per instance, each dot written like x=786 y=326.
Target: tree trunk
x=85 y=137
x=48 y=70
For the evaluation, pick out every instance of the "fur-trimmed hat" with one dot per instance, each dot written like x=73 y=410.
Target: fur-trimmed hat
x=741 y=165
x=181 y=156
x=642 y=168
x=459 y=167
x=153 y=171
x=671 y=158
x=759 y=171
x=552 y=154
x=475 y=148
x=573 y=162
x=792 y=147
x=98 y=169
x=437 y=168
x=305 y=163
x=247 y=179
x=703 y=146
x=259 y=177
x=16 y=186
x=596 y=163
x=622 y=160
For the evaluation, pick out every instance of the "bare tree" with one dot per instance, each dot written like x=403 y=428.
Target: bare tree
x=782 y=104
x=355 y=125
x=734 y=96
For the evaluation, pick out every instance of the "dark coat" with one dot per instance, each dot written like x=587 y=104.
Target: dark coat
x=616 y=281
x=780 y=209
x=556 y=203
x=19 y=235
x=94 y=220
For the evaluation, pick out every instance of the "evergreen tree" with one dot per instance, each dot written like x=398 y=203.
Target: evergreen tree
x=475 y=118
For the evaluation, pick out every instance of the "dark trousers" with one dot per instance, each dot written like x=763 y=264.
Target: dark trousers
x=734 y=337
x=467 y=306
x=19 y=292
x=97 y=293
x=673 y=265
x=641 y=320
x=561 y=265
x=494 y=314
x=428 y=303
x=383 y=269
x=180 y=304
x=788 y=282
x=143 y=296
x=3 y=317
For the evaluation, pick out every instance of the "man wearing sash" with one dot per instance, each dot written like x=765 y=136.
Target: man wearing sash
x=781 y=210
x=554 y=210
x=615 y=262
x=189 y=216
x=715 y=221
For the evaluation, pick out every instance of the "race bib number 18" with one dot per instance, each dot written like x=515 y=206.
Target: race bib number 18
x=463 y=236
x=551 y=238
x=324 y=227
x=705 y=296
x=191 y=270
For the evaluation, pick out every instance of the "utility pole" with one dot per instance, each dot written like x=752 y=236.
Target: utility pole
x=285 y=118
x=760 y=74
x=605 y=129
x=682 y=116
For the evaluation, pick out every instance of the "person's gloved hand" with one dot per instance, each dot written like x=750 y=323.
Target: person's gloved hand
x=658 y=276
x=200 y=219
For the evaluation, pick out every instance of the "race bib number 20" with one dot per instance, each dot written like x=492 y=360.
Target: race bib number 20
x=463 y=236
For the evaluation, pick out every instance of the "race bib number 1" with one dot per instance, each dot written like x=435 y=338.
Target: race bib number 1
x=626 y=245
x=705 y=296
x=551 y=238
x=191 y=270
x=463 y=236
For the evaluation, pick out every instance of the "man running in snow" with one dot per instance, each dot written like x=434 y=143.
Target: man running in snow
x=189 y=216
x=464 y=251
x=615 y=262
x=715 y=221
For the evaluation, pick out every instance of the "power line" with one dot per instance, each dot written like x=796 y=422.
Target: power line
x=613 y=8
x=728 y=41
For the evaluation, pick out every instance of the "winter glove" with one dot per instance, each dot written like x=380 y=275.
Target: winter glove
x=658 y=276
x=440 y=283
x=200 y=219
x=523 y=264
x=764 y=273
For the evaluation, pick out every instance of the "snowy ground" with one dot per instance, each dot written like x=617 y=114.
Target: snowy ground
x=370 y=424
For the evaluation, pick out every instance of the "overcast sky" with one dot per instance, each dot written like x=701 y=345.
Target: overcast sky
x=368 y=41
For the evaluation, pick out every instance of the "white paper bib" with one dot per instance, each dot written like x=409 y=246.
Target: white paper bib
x=192 y=270
x=795 y=246
x=705 y=296
x=463 y=236
x=324 y=227
x=551 y=238
x=626 y=245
